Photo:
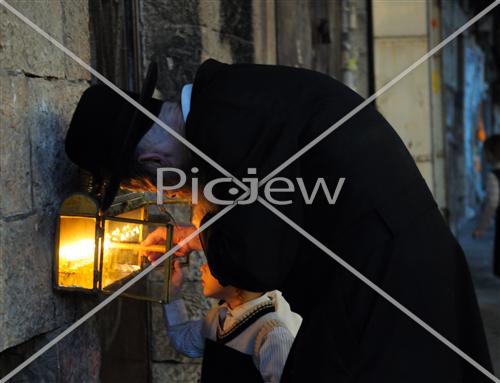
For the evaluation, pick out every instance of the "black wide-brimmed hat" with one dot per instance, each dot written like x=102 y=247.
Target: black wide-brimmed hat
x=105 y=130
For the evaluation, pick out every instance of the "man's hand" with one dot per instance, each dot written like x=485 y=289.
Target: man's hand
x=159 y=237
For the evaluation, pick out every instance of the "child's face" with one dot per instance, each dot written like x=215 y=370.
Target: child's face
x=211 y=286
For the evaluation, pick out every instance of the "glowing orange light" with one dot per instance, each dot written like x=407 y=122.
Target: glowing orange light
x=77 y=253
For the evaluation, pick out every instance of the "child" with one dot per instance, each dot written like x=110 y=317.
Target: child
x=245 y=339
x=490 y=208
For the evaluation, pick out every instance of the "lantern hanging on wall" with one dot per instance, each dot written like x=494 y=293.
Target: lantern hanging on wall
x=98 y=252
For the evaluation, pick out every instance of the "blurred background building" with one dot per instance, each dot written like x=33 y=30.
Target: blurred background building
x=443 y=111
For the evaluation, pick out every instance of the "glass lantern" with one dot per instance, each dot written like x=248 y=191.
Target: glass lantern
x=98 y=253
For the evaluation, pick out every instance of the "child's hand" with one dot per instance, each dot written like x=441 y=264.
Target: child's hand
x=176 y=280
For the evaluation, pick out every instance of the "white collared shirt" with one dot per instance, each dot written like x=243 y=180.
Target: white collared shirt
x=268 y=340
x=229 y=317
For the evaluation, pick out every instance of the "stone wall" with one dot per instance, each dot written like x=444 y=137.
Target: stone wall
x=179 y=35
x=39 y=88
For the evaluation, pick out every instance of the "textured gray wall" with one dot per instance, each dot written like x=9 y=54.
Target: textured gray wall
x=39 y=88
x=180 y=34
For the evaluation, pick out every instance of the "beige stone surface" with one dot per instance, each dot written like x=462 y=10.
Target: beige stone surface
x=30 y=306
x=36 y=114
x=39 y=89
x=264 y=30
x=76 y=37
x=35 y=178
x=15 y=170
x=210 y=22
x=24 y=49
x=399 y=18
x=50 y=107
x=406 y=106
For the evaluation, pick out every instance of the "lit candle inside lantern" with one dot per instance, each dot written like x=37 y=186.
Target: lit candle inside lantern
x=77 y=254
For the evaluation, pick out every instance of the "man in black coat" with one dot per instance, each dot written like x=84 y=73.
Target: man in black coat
x=384 y=223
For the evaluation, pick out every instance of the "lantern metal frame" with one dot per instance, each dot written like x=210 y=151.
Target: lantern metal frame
x=83 y=205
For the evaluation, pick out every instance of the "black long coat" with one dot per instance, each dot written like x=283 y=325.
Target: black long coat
x=385 y=223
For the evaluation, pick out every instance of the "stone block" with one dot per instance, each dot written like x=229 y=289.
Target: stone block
x=400 y=18
x=197 y=304
x=30 y=305
x=175 y=373
x=15 y=183
x=192 y=272
x=76 y=33
x=23 y=49
x=75 y=359
x=51 y=105
x=33 y=162
x=35 y=170
x=79 y=355
x=214 y=47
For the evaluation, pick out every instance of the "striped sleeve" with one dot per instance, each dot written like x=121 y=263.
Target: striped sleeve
x=186 y=336
x=272 y=346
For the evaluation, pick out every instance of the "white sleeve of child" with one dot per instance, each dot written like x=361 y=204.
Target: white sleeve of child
x=273 y=352
x=185 y=335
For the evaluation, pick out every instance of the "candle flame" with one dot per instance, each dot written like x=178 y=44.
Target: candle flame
x=76 y=257
x=78 y=253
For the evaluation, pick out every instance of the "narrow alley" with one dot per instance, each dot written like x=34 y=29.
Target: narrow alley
x=479 y=256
